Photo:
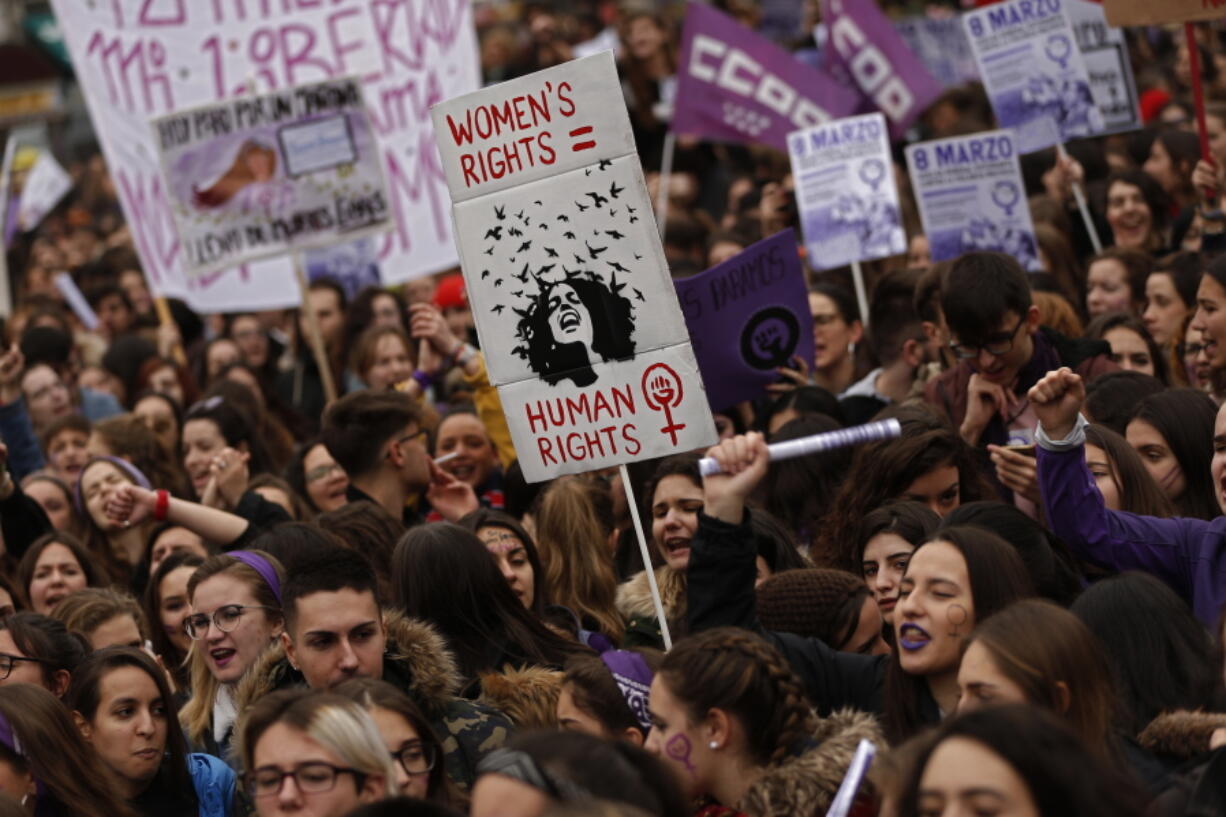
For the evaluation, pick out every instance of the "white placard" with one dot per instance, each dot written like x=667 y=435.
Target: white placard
x=1033 y=72
x=46 y=183
x=566 y=275
x=1105 y=53
x=971 y=197
x=845 y=190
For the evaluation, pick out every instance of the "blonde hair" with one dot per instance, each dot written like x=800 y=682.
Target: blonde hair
x=340 y=725
x=197 y=714
x=576 y=560
x=88 y=609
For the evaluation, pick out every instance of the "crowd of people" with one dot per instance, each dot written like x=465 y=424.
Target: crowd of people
x=222 y=593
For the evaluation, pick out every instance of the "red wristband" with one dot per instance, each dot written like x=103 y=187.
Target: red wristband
x=161 y=506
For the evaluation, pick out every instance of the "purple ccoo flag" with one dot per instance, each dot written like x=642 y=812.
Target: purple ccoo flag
x=864 y=47
x=736 y=86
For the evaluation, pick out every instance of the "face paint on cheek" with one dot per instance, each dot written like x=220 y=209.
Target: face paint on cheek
x=679 y=749
x=957 y=615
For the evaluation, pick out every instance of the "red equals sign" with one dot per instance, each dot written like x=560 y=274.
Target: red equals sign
x=587 y=145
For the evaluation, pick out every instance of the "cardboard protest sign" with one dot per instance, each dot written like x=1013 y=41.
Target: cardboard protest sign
x=1105 y=52
x=266 y=175
x=941 y=44
x=1033 y=72
x=864 y=47
x=736 y=86
x=565 y=273
x=137 y=59
x=1148 y=12
x=845 y=190
x=45 y=184
x=971 y=197
x=747 y=317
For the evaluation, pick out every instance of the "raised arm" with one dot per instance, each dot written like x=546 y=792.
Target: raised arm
x=132 y=504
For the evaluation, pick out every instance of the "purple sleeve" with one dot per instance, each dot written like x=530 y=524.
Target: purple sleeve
x=1114 y=539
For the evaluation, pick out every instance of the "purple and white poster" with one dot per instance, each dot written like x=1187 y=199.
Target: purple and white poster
x=866 y=49
x=1033 y=72
x=971 y=197
x=747 y=317
x=941 y=44
x=1105 y=52
x=845 y=191
x=736 y=86
x=265 y=175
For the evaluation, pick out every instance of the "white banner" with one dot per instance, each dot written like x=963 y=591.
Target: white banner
x=139 y=59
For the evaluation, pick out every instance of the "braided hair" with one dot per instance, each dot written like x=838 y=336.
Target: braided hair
x=733 y=670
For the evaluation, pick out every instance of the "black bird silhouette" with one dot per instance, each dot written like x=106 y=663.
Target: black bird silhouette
x=515 y=231
x=637 y=257
x=605 y=164
x=614 y=234
x=630 y=209
x=497 y=310
x=495 y=233
x=633 y=219
x=569 y=235
x=528 y=222
x=615 y=265
x=501 y=212
x=485 y=274
x=612 y=212
x=639 y=295
x=570 y=272
x=563 y=217
x=551 y=252
x=518 y=294
x=497 y=282
x=582 y=208
x=594 y=252
x=527 y=245
x=614 y=190
x=587 y=172
x=523 y=276
x=490 y=251
x=544 y=226
x=579 y=260
x=520 y=215
x=545 y=269
x=537 y=202
x=597 y=199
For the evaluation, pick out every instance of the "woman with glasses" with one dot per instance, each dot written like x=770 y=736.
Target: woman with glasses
x=410 y=741
x=126 y=712
x=236 y=615
x=313 y=753
x=317 y=477
x=35 y=649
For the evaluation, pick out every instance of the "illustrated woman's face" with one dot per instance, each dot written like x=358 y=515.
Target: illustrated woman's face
x=568 y=318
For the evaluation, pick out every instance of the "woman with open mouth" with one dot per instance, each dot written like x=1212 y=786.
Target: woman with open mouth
x=126 y=712
x=954 y=579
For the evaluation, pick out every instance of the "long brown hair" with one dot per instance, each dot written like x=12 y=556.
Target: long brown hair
x=1038 y=646
x=1139 y=493
x=730 y=669
x=578 y=563
x=72 y=778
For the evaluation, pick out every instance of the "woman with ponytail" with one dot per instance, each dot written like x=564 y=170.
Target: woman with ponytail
x=730 y=717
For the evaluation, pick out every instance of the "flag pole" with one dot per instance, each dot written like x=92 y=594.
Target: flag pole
x=666 y=172
x=651 y=573
x=1080 y=195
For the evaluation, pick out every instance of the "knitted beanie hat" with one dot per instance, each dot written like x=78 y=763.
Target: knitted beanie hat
x=808 y=602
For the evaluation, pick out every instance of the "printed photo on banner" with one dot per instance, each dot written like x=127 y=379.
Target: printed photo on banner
x=565 y=273
x=845 y=190
x=1033 y=72
x=736 y=86
x=971 y=197
x=265 y=175
x=747 y=317
x=1105 y=52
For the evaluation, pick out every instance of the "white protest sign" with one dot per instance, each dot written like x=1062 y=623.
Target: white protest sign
x=845 y=190
x=138 y=59
x=76 y=300
x=265 y=175
x=971 y=197
x=566 y=275
x=1105 y=52
x=46 y=183
x=1033 y=72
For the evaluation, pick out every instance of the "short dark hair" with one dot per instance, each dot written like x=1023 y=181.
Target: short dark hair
x=328 y=572
x=43 y=344
x=357 y=426
x=892 y=315
x=325 y=282
x=978 y=289
x=1112 y=398
x=110 y=288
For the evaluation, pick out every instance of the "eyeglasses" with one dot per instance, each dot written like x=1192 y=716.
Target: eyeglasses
x=226 y=618
x=996 y=346
x=7 y=662
x=410 y=437
x=415 y=757
x=1191 y=349
x=323 y=472
x=310 y=778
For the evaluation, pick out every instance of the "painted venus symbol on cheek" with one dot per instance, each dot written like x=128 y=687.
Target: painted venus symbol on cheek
x=678 y=748
x=957 y=615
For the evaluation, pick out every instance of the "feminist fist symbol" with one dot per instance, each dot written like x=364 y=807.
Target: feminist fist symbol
x=1058 y=49
x=872 y=172
x=1006 y=195
x=662 y=392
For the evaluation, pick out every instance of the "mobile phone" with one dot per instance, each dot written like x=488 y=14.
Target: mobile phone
x=1026 y=450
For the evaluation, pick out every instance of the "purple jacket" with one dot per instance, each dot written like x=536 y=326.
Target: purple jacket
x=1187 y=554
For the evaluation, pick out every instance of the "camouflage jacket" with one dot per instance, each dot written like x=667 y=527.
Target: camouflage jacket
x=418 y=662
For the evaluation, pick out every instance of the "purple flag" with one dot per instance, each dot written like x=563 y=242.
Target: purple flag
x=864 y=46
x=736 y=86
x=747 y=317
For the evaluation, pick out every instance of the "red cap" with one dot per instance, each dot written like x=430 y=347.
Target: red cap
x=1152 y=103
x=449 y=294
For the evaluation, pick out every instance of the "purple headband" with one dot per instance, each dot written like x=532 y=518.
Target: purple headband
x=633 y=678
x=9 y=738
x=262 y=566
x=128 y=468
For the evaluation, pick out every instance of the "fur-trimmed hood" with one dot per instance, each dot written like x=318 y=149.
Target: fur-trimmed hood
x=1183 y=734
x=417 y=660
x=806 y=783
x=634 y=596
x=527 y=695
